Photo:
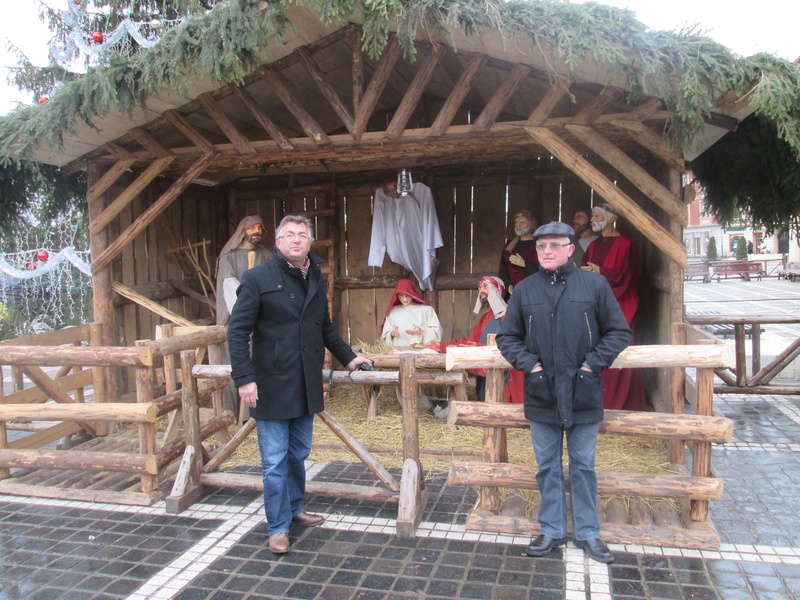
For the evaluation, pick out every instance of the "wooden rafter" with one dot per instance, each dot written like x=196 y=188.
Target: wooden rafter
x=153 y=307
x=646 y=109
x=358 y=69
x=116 y=151
x=415 y=90
x=127 y=196
x=376 y=86
x=599 y=105
x=501 y=97
x=307 y=122
x=261 y=117
x=649 y=227
x=148 y=216
x=108 y=179
x=191 y=133
x=546 y=105
x=212 y=107
x=632 y=172
x=457 y=94
x=647 y=137
x=148 y=142
x=325 y=88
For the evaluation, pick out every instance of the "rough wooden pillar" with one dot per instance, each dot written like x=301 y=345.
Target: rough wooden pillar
x=701 y=451
x=677 y=454
x=218 y=396
x=741 y=355
x=4 y=473
x=102 y=294
x=147 y=431
x=495 y=446
x=677 y=334
x=99 y=377
x=408 y=392
x=191 y=413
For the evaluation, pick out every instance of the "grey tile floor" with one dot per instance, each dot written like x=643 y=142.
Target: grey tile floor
x=218 y=549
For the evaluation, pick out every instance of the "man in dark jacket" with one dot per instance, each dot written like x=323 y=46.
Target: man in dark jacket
x=282 y=303
x=563 y=326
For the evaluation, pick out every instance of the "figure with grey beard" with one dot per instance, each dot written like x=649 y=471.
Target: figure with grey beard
x=519 y=259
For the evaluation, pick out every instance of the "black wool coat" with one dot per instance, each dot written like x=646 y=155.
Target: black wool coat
x=290 y=326
x=563 y=320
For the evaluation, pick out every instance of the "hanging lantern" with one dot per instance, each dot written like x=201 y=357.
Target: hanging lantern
x=43 y=99
x=97 y=37
x=42 y=255
x=404 y=183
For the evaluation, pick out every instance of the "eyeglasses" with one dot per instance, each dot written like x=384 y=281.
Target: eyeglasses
x=554 y=246
x=303 y=237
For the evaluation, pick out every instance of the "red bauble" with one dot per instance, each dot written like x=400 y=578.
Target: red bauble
x=42 y=255
x=30 y=266
x=97 y=37
x=43 y=99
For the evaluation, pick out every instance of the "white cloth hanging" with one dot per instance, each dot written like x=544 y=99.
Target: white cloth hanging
x=408 y=229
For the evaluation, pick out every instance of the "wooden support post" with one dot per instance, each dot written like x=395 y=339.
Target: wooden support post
x=4 y=473
x=413 y=499
x=495 y=447
x=408 y=393
x=147 y=431
x=191 y=412
x=222 y=455
x=102 y=295
x=182 y=476
x=218 y=396
x=755 y=338
x=701 y=451
x=741 y=355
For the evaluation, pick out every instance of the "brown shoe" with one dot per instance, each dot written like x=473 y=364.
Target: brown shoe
x=279 y=542
x=305 y=519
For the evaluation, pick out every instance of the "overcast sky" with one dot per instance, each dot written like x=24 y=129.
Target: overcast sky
x=764 y=26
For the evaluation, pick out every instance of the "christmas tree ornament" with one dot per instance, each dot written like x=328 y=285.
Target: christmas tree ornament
x=42 y=255
x=97 y=37
x=43 y=99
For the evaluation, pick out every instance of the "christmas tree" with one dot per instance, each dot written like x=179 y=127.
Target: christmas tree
x=711 y=249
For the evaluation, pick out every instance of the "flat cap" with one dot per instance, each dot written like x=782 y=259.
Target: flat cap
x=555 y=229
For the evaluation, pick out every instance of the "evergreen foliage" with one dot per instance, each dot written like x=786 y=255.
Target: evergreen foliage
x=711 y=249
x=685 y=69
x=752 y=175
x=741 y=248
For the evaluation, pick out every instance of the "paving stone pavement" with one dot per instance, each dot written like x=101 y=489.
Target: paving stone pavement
x=217 y=550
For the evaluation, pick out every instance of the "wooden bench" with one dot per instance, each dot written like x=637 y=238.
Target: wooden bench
x=741 y=268
x=700 y=269
x=791 y=271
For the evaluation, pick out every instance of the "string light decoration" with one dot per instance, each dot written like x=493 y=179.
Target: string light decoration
x=45 y=283
x=81 y=40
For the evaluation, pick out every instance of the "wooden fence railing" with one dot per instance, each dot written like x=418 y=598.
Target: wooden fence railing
x=149 y=463
x=699 y=430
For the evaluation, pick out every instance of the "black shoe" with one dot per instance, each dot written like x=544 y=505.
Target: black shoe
x=542 y=544
x=596 y=549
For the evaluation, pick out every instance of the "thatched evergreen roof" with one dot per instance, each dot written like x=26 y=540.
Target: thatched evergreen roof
x=688 y=72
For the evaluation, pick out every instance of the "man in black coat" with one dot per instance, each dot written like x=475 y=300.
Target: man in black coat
x=563 y=327
x=282 y=304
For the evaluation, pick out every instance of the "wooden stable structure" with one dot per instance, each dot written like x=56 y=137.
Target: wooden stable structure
x=314 y=130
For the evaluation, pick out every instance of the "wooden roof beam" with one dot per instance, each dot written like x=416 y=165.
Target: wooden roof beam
x=149 y=143
x=457 y=95
x=547 y=104
x=598 y=105
x=648 y=226
x=148 y=216
x=150 y=305
x=307 y=122
x=212 y=107
x=358 y=69
x=623 y=163
x=650 y=139
x=192 y=134
x=414 y=92
x=376 y=86
x=127 y=196
x=501 y=97
x=261 y=117
x=116 y=150
x=99 y=187
x=325 y=88
x=646 y=109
